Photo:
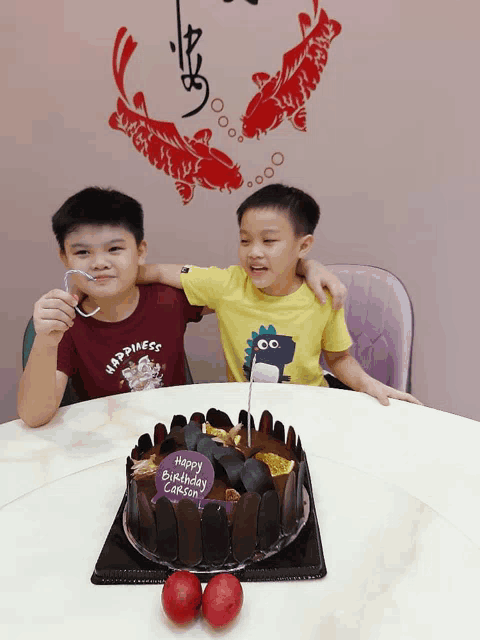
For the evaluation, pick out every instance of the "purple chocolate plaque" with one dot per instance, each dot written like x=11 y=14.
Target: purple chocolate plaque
x=184 y=474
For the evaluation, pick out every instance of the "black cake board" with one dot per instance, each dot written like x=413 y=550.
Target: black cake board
x=120 y=563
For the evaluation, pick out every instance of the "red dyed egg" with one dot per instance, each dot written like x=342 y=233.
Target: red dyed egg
x=182 y=596
x=222 y=599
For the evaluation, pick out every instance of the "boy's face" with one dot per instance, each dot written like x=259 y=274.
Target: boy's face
x=108 y=253
x=269 y=250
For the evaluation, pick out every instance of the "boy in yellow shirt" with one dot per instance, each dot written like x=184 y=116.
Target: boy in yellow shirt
x=267 y=315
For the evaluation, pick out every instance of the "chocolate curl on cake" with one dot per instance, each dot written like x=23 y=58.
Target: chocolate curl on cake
x=173 y=441
x=268 y=528
x=166 y=529
x=228 y=451
x=178 y=422
x=266 y=423
x=189 y=533
x=215 y=535
x=207 y=447
x=279 y=431
x=291 y=439
x=233 y=465
x=244 y=532
x=300 y=480
x=289 y=507
x=144 y=443
x=160 y=433
x=243 y=419
x=256 y=476
x=197 y=417
x=146 y=520
x=192 y=433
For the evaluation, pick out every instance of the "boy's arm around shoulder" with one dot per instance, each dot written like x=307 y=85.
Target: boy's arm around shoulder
x=41 y=385
x=319 y=277
x=164 y=273
x=347 y=370
x=202 y=286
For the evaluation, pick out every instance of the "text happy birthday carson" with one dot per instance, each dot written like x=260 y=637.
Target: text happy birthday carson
x=184 y=475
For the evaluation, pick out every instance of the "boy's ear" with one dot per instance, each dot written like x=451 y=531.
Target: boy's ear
x=305 y=245
x=142 y=252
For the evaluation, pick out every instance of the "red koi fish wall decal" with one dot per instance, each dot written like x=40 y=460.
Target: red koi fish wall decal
x=190 y=162
x=285 y=95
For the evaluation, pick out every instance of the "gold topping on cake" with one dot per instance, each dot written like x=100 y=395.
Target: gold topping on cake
x=278 y=466
x=220 y=435
x=144 y=467
x=232 y=496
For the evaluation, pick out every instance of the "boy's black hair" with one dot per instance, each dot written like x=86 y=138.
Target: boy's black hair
x=97 y=206
x=303 y=211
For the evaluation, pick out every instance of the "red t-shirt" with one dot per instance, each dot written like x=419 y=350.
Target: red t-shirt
x=144 y=351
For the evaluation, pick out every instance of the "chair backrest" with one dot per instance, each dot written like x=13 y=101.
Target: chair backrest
x=70 y=396
x=379 y=316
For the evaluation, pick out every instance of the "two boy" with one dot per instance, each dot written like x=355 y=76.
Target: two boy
x=133 y=337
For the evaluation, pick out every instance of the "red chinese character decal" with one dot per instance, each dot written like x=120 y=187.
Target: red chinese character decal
x=284 y=95
x=189 y=161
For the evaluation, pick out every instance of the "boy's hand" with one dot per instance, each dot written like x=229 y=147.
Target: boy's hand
x=317 y=277
x=54 y=314
x=383 y=392
x=347 y=369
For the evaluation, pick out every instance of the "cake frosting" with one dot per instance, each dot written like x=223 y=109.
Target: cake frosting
x=255 y=506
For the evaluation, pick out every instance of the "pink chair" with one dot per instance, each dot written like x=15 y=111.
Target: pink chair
x=379 y=316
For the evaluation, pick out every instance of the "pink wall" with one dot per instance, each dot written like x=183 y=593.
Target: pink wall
x=390 y=150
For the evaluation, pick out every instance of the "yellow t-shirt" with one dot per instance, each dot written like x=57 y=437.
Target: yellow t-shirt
x=286 y=333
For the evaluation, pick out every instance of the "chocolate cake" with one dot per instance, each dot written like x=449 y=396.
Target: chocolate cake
x=231 y=505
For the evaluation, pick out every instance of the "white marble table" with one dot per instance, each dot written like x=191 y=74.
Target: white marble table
x=397 y=492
